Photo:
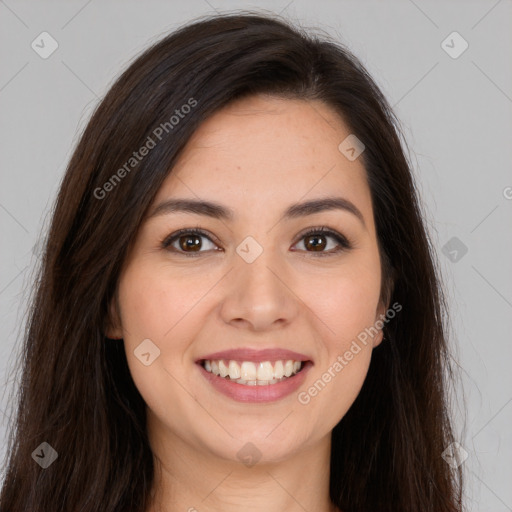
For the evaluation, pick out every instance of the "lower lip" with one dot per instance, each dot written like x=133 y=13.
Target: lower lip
x=255 y=394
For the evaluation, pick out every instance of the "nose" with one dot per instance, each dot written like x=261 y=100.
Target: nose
x=258 y=296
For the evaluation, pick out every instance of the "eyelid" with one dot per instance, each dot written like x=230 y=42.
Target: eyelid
x=344 y=243
x=168 y=240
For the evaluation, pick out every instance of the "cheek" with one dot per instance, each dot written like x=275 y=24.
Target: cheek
x=347 y=314
x=347 y=304
x=349 y=310
x=154 y=300
x=154 y=306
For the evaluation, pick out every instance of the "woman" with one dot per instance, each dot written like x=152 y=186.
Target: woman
x=238 y=306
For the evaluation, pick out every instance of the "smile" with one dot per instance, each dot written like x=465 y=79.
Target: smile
x=250 y=373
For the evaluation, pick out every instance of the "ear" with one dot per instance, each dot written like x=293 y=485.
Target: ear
x=113 y=329
x=380 y=315
x=384 y=302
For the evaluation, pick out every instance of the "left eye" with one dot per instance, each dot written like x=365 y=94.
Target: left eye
x=314 y=240
x=189 y=242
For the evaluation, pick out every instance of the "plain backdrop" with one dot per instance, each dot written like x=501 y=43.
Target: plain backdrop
x=455 y=109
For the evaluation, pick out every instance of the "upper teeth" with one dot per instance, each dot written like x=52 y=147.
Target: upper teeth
x=249 y=371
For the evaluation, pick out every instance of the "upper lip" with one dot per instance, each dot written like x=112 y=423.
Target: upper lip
x=248 y=354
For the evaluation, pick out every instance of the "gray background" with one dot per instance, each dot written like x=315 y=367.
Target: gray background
x=456 y=114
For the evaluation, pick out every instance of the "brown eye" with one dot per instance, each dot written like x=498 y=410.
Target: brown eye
x=317 y=240
x=188 y=241
x=192 y=242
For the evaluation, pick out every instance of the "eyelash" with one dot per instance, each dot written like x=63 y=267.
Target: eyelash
x=344 y=243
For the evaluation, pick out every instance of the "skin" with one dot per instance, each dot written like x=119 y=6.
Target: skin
x=257 y=156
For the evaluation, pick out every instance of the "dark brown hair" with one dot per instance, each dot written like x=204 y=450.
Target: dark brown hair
x=76 y=391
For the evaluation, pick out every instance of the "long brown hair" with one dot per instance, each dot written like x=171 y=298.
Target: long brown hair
x=76 y=392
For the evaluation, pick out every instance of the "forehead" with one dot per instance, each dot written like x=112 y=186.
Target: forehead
x=263 y=151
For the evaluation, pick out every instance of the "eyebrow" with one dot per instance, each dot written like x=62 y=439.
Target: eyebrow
x=218 y=211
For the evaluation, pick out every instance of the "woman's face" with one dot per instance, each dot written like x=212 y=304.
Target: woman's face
x=254 y=285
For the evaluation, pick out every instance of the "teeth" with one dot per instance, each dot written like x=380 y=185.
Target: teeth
x=265 y=371
x=223 y=369
x=234 y=370
x=278 y=370
x=253 y=374
x=248 y=371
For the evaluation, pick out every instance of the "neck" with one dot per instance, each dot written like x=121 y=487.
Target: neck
x=194 y=480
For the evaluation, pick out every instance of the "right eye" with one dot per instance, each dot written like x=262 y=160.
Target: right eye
x=188 y=241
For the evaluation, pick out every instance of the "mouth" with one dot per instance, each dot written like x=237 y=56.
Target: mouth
x=254 y=373
x=254 y=381
x=248 y=375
